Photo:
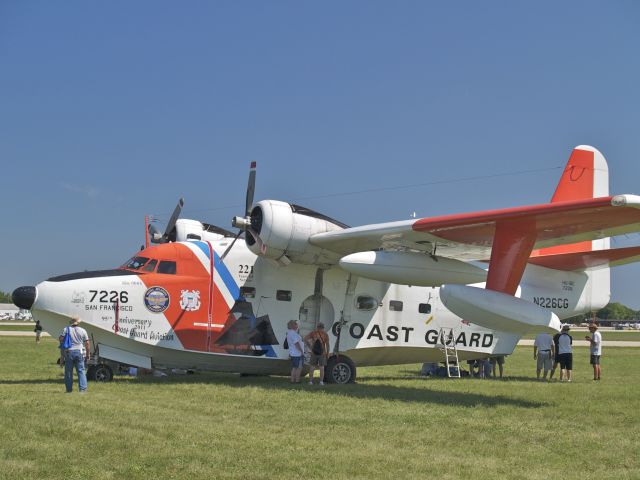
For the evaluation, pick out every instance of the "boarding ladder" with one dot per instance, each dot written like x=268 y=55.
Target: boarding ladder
x=447 y=343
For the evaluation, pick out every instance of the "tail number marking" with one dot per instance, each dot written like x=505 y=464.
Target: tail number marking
x=109 y=297
x=551 y=302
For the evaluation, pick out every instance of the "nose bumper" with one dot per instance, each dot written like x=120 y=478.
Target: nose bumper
x=24 y=297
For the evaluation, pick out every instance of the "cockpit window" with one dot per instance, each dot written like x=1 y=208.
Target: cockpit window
x=151 y=266
x=135 y=263
x=167 y=267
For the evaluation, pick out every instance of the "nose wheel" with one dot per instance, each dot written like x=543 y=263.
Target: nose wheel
x=100 y=373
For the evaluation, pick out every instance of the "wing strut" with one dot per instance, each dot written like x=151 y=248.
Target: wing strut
x=513 y=242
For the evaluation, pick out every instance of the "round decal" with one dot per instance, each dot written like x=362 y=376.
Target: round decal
x=156 y=299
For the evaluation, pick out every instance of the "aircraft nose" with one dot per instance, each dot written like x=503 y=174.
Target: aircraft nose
x=23 y=297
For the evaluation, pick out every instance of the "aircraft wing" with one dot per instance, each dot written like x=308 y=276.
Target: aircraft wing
x=470 y=236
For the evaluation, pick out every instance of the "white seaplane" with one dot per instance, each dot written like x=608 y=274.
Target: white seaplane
x=199 y=299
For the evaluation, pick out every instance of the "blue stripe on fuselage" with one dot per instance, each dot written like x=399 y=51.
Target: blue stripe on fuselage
x=204 y=247
x=224 y=273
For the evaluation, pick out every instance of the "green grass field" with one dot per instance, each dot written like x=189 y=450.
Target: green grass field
x=391 y=424
x=16 y=328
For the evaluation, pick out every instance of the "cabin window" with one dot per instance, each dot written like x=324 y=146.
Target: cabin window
x=395 y=305
x=151 y=266
x=135 y=263
x=424 y=308
x=248 y=292
x=283 y=295
x=366 y=302
x=168 y=267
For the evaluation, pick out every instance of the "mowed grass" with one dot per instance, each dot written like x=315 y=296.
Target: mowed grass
x=391 y=424
x=16 y=328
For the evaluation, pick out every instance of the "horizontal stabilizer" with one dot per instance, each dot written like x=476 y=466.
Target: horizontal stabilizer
x=612 y=257
x=498 y=311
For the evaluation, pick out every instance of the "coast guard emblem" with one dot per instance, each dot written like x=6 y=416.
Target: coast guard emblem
x=190 y=300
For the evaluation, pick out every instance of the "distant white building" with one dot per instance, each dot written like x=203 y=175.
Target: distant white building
x=8 y=311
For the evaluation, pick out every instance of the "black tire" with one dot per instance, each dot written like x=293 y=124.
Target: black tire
x=100 y=373
x=340 y=369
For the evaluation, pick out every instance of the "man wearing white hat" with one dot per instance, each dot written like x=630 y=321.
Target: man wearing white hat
x=75 y=354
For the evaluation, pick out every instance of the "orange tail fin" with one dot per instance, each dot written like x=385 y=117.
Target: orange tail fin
x=585 y=176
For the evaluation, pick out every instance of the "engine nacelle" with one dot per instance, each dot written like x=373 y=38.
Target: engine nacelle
x=285 y=230
x=194 y=230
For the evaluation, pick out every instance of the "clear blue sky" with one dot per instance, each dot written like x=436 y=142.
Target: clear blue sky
x=112 y=110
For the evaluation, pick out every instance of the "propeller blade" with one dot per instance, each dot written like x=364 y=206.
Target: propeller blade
x=251 y=187
x=174 y=218
x=256 y=237
x=231 y=245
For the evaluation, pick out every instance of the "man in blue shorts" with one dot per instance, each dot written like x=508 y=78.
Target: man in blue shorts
x=296 y=350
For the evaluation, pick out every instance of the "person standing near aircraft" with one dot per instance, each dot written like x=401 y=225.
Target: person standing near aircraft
x=318 y=341
x=595 y=340
x=76 y=354
x=543 y=352
x=556 y=359
x=38 y=330
x=497 y=359
x=566 y=353
x=296 y=350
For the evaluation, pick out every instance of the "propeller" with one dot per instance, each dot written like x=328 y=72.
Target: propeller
x=169 y=233
x=248 y=222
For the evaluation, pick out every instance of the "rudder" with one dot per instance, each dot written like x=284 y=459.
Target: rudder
x=586 y=175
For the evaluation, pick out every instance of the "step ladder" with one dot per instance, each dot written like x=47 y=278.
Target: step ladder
x=447 y=343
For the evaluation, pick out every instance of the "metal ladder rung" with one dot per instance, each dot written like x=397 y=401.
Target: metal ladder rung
x=450 y=350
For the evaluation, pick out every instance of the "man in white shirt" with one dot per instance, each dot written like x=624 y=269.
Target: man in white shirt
x=565 y=353
x=543 y=352
x=595 y=349
x=76 y=354
x=296 y=350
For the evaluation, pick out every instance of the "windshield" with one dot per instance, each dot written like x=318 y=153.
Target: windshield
x=135 y=263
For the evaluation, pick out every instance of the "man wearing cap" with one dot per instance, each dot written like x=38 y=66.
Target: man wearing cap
x=76 y=354
x=318 y=342
x=595 y=348
x=565 y=353
x=543 y=353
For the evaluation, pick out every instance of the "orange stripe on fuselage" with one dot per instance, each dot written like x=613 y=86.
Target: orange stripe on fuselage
x=190 y=275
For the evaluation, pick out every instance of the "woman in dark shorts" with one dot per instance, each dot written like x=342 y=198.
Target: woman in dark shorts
x=556 y=359
x=566 y=353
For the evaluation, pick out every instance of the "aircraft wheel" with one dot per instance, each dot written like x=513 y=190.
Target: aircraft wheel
x=101 y=373
x=340 y=369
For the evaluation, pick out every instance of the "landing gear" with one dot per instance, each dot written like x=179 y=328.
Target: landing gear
x=340 y=369
x=100 y=373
